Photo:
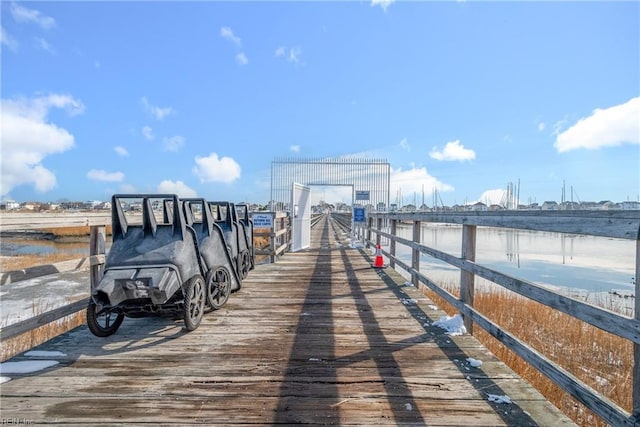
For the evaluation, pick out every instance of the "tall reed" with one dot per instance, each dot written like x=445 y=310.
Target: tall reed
x=601 y=360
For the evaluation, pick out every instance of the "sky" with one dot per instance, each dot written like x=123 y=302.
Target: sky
x=198 y=98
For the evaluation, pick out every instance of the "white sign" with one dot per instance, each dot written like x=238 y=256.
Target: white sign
x=362 y=195
x=262 y=220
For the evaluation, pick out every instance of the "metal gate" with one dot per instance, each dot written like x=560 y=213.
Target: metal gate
x=369 y=178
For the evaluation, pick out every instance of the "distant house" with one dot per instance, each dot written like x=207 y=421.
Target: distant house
x=589 y=206
x=11 y=205
x=478 y=207
x=629 y=205
x=607 y=205
x=549 y=206
x=32 y=206
x=569 y=206
x=495 y=207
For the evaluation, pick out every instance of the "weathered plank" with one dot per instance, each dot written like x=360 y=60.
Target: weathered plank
x=318 y=338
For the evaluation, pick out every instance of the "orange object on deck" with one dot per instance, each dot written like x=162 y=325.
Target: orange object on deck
x=379 y=263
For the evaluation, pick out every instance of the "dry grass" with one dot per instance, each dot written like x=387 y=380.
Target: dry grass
x=601 y=360
x=19 y=262
x=78 y=231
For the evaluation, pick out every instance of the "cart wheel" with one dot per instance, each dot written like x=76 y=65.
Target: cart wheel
x=218 y=287
x=194 y=296
x=104 y=323
x=246 y=265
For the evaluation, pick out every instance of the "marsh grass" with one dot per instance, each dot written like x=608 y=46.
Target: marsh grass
x=599 y=359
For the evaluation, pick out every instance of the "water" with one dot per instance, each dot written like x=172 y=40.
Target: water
x=593 y=264
x=587 y=263
x=42 y=244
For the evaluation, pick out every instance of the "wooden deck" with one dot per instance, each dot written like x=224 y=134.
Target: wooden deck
x=319 y=338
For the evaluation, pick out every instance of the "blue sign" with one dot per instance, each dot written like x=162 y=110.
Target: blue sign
x=359 y=215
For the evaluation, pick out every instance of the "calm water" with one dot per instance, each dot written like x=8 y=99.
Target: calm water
x=594 y=264
x=11 y=245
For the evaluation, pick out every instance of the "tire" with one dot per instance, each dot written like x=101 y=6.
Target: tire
x=245 y=265
x=194 y=298
x=218 y=287
x=102 y=324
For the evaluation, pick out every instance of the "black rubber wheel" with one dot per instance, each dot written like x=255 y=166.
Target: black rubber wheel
x=245 y=265
x=194 y=298
x=218 y=287
x=104 y=323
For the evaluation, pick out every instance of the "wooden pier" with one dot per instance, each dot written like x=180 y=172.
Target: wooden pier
x=319 y=338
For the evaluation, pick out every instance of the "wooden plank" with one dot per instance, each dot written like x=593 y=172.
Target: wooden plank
x=318 y=338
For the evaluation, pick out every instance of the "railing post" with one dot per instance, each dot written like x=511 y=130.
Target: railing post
x=368 y=231
x=636 y=347
x=379 y=228
x=272 y=238
x=467 y=279
x=97 y=246
x=392 y=243
x=415 y=253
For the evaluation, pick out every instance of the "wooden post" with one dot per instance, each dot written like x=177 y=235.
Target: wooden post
x=415 y=253
x=272 y=238
x=392 y=243
x=379 y=228
x=368 y=234
x=636 y=347
x=467 y=279
x=97 y=246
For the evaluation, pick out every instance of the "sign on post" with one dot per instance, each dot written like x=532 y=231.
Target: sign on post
x=362 y=195
x=359 y=215
x=262 y=220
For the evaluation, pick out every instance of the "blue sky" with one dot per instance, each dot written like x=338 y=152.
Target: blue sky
x=198 y=98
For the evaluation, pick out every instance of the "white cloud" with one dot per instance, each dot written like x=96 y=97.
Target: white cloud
x=128 y=189
x=491 y=197
x=293 y=55
x=607 y=127
x=178 y=187
x=295 y=148
x=404 y=144
x=7 y=40
x=174 y=143
x=101 y=175
x=28 y=137
x=23 y=15
x=41 y=43
x=453 y=151
x=384 y=4
x=541 y=126
x=214 y=169
x=158 y=112
x=412 y=182
x=227 y=34
x=242 y=59
x=147 y=132
x=121 y=151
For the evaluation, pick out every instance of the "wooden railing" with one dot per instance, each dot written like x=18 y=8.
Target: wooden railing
x=97 y=245
x=279 y=236
x=614 y=224
x=279 y=242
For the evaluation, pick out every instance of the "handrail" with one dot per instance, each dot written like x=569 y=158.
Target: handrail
x=615 y=224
